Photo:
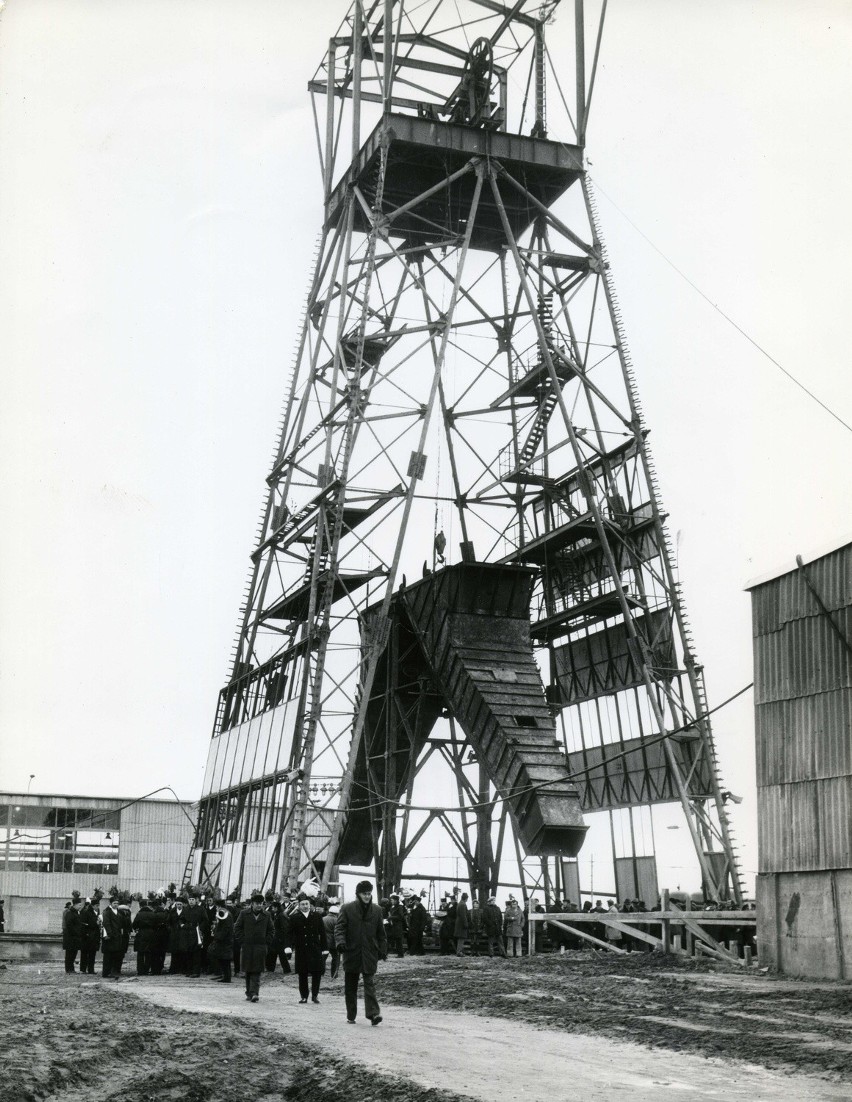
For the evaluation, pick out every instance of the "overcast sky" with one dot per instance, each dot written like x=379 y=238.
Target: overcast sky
x=159 y=203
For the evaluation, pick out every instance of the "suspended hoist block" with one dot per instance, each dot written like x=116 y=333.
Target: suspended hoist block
x=471 y=623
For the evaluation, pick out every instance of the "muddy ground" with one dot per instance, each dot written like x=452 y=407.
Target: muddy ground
x=65 y=1038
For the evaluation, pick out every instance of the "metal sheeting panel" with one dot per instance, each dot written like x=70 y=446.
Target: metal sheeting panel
x=606 y=661
x=805 y=826
x=788 y=598
x=250 y=750
x=254 y=866
x=638 y=773
x=835 y=822
x=155 y=839
x=571 y=881
x=802 y=658
x=807 y=738
x=636 y=878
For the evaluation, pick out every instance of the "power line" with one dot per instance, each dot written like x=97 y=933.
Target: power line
x=720 y=311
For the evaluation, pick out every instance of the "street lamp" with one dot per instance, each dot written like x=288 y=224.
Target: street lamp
x=32 y=778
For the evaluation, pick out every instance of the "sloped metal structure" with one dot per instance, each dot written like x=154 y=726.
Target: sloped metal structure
x=467 y=652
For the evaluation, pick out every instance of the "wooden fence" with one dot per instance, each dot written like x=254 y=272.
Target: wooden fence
x=679 y=931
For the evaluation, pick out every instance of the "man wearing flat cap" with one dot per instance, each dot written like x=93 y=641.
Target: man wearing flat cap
x=361 y=941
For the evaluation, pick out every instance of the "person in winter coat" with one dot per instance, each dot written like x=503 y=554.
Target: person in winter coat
x=475 y=927
x=308 y=935
x=197 y=914
x=144 y=929
x=160 y=938
x=513 y=927
x=418 y=922
x=492 y=927
x=362 y=942
x=72 y=935
x=397 y=926
x=182 y=937
x=462 y=927
x=112 y=937
x=448 y=926
x=90 y=936
x=220 y=952
x=256 y=931
x=282 y=946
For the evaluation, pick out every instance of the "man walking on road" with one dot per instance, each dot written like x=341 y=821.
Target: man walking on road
x=361 y=941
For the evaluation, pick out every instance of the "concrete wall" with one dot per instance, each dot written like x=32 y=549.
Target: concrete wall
x=804 y=923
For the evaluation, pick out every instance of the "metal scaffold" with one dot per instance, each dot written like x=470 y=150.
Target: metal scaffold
x=462 y=557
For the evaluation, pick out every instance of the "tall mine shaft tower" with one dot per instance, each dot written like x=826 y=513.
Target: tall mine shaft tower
x=462 y=557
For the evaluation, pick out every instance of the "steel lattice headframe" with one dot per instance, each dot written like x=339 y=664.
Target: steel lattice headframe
x=462 y=393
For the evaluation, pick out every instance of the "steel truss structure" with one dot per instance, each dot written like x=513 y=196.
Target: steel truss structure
x=462 y=400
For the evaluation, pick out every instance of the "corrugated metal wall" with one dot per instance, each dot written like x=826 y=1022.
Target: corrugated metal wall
x=803 y=732
x=155 y=841
x=803 y=718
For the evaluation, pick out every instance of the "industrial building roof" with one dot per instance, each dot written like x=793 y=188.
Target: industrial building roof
x=790 y=564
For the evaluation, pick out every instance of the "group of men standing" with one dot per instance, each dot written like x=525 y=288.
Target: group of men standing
x=206 y=936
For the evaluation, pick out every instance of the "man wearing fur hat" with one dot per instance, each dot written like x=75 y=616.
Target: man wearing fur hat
x=256 y=931
x=361 y=941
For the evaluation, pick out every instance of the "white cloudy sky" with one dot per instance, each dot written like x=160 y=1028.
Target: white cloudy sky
x=159 y=202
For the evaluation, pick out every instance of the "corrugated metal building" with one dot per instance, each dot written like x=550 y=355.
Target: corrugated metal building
x=802 y=626
x=50 y=845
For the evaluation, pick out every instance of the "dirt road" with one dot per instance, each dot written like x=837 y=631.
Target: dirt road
x=493 y=1059
x=541 y=1027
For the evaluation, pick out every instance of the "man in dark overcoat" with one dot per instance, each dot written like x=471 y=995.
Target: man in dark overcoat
x=418 y=921
x=90 y=937
x=256 y=931
x=197 y=914
x=72 y=935
x=221 y=950
x=111 y=944
x=182 y=937
x=492 y=927
x=361 y=941
x=397 y=926
x=144 y=934
x=309 y=948
x=160 y=944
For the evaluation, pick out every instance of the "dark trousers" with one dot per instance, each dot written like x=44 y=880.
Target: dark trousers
x=315 y=984
x=158 y=961
x=253 y=983
x=237 y=948
x=395 y=942
x=415 y=943
x=70 y=958
x=112 y=963
x=194 y=963
x=371 y=1003
x=179 y=964
x=224 y=967
x=143 y=962
x=87 y=960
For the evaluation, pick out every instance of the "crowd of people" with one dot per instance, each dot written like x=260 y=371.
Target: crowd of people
x=303 y=932
x=203 y=936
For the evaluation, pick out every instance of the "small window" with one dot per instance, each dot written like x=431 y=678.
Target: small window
x=525 y=721
x=502 y=674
